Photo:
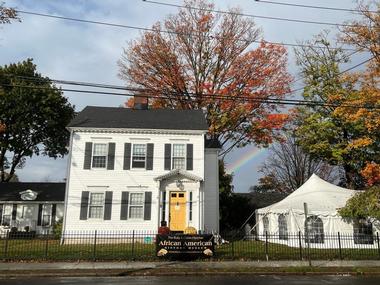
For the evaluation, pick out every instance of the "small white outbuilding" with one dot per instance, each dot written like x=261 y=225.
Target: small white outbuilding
x=285 y=221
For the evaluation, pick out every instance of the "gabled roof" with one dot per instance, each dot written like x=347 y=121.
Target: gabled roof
x=48 y=191
x=178 y=172
x=165 y=119
x=321 y=197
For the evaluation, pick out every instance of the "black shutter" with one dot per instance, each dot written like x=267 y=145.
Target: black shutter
x=111 y=156
x=189 y=157
x=127 y=156
x=149 y=156
x=39 y=217
x=124 y=206
x=1 y=213
x=87 y=155
x=168 y=155
x=53 y=213
x=84 y=205
x=14 y=212
x=148 y=205
x=108 y=206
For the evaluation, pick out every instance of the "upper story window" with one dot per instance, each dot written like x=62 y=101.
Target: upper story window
x=179 y=156
x=99 y=155
x=96 y=206
x=136 y=205
x=139 y=156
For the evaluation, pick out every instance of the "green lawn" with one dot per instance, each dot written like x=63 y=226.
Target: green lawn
x=40 y=249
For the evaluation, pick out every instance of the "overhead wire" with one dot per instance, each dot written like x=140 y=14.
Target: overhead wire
x=250 y=15
x=149 y=29
x=313 y=6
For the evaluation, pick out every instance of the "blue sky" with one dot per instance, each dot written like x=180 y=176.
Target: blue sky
x=84 y=52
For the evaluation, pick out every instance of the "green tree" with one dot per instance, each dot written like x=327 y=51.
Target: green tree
x=33 y=117
x=363 y=205
x=320 y=131
x=233 y=208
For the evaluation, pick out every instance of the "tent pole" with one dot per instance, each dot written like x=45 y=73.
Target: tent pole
x=307 y=233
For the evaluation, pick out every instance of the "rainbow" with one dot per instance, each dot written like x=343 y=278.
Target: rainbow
x=244 y=158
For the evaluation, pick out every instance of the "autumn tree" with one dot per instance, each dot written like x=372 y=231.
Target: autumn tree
x=288 y=167
x=194 y=57
x=321 y=130
x=364 y=34
x=7 y=14
x=34 y=115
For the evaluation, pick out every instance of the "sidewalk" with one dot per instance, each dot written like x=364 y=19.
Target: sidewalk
x=187 y=268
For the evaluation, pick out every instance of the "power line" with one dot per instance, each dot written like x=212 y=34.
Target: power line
x=292 y=102
x=340 y=73
x=251 y=15
x=151 y=29
x=191 y=95
x=134 y=89
x=312 y=6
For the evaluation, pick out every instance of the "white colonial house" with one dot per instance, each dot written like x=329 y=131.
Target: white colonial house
x=30 y=206
x=130 y=169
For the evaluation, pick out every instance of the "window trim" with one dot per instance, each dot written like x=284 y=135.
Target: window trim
x=89 y=204
x=145 y=161
x=131 y=205
x=44 y=209
x=172 y=156
x=6 y=215
x=92 y=155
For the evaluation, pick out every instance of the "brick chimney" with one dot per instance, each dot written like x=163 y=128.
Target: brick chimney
x=140 y=103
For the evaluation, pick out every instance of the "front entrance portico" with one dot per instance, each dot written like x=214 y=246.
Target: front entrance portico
x=180 y=199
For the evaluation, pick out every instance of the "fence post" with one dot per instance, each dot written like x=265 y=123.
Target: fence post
x=94 y=248
x=266 y=246
x=133 y=243
x=340 y=247
x=378 y=243
x=300 y=244
x=46 y=245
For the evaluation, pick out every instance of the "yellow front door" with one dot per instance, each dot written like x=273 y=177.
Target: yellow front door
x=177 y=220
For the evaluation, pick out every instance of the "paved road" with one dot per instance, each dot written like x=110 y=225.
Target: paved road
x=216 y=280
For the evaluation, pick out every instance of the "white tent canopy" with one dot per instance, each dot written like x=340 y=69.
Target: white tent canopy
x=322 y=198
x=286 y=219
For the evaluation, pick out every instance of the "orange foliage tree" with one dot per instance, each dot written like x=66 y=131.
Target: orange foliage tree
x=195 y=57
x=364 y=34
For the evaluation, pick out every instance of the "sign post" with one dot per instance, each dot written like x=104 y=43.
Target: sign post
x=307 y=233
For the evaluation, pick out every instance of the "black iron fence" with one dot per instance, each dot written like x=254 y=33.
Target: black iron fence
x=140 y=245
